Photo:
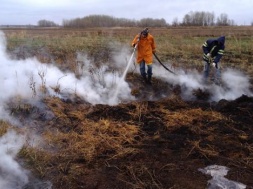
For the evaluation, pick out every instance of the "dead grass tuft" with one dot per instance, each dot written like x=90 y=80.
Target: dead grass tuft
x=141 y=176
x=4 y=126
x=192 y=117
x=103 y=138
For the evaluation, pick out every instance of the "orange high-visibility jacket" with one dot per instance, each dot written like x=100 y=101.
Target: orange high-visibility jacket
x=146 y=47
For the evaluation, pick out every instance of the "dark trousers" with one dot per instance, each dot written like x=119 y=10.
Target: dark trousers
x=143 y=69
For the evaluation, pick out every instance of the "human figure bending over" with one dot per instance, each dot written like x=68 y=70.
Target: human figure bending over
x=213 y=50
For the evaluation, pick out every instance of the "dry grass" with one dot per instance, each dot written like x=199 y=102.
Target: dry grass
x=68 y=150
x=83 y=143
x=95 y=139
x=4 y=126
x=179 y=44
x=191 y=117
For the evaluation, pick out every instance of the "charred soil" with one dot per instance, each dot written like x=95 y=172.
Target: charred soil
x=140 y=144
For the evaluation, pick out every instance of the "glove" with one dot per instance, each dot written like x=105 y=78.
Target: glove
x=215 y=65
x=208 y=55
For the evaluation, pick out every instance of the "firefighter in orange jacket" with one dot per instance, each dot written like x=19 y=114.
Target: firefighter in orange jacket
x=145 y=44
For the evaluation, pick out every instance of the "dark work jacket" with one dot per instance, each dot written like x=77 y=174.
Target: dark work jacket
x=215 y=47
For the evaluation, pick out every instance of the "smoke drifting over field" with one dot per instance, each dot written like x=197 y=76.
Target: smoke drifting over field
x=29 y=78
x=26 y=79
x=234 y=83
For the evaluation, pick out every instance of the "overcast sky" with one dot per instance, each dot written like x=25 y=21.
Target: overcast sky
x=31 y=11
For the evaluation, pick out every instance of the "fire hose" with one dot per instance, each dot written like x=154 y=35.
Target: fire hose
x=163 y=64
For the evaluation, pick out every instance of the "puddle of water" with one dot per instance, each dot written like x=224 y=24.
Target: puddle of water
x=219 y=181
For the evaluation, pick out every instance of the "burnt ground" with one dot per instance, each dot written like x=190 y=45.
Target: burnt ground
x=141 y=144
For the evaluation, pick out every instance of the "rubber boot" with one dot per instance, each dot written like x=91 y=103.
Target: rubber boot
x=149 y=80
x=145 y=78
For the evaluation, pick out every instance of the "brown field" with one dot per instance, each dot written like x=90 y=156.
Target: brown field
x=181 y=45
x=142 y=144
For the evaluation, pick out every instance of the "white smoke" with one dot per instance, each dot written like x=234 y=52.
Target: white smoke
x=24 y=79
x=234 y=83
x=17 y=77
x=12 y=176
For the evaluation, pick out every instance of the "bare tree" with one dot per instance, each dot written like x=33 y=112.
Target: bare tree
x=206 y=19
x=209 y=19
x=223 y=20
x=175 y=22
x=46 y=23
x=187 y=20
x=150 y=22
x=198 y=19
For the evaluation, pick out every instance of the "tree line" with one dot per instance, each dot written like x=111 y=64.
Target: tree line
x=205 y=19
x=197 y=18
x=109 y=21
x=46 y=23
